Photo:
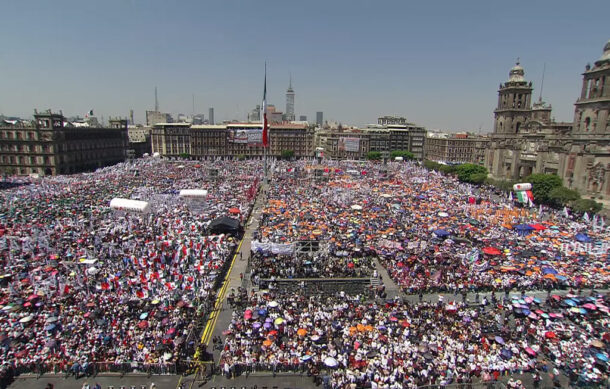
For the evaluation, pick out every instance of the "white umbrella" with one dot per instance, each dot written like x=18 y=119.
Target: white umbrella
x=25 y=319
x=443 y=214
x=356 y=207
x=92 y=270
x=331 y=362
x=273 y=304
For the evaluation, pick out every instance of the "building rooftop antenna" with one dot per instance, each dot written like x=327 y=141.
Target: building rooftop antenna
x=156 y=101
x=542 y=83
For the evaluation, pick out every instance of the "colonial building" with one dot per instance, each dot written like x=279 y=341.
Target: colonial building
x=456 y=148
x=230 y=140
x=355 y=144
x=50 y=145
x=526 y=140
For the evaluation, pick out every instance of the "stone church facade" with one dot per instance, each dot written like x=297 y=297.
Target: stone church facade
x=527 y=140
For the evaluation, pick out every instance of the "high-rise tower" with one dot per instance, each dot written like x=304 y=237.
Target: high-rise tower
x=514 y=102
x=290 y=102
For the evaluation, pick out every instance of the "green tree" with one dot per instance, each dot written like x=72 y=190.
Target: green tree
x=478 y=178
x=184 y=155
x=504 y=185
x=561 y=196
x=467 y=170
x=373 y=156
x=586 y=205
x=407 y=155
x=287 y=154
x=241 y=157
x=542 y=185
x=431 y=165
x=446 y=169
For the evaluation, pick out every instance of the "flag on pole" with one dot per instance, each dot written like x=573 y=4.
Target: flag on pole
x=265 y=135
x=510 y=196
x=565 y=212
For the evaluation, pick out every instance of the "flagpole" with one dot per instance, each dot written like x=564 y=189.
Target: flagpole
x=265 y=130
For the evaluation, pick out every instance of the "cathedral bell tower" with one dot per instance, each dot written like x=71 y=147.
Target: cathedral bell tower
x=514 y=103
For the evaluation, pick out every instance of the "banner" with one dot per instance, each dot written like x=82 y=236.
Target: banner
x=251 y=136
x=275 y=248
x=349 y=144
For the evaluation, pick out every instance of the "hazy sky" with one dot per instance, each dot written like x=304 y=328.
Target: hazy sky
x=439 y=63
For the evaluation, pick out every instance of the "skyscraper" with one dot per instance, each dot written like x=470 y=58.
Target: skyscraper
x=319 y=118
x=290 y=102
x=211 y=116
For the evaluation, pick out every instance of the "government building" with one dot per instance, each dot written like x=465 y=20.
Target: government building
x=50 y=145
x=230 y=140
x=527 y=140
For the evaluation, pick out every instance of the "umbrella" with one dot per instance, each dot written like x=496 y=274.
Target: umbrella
x=301 y=332
x=278 y=321
x=590 y=306
x=491 y=251
x=602 y=357
x=25 y=319
x=506 y=353
x=330 y=362
x=267 y=325
x=530 y=352
x=582 y=237
x=143 y=315
x=441 y=233
x=234 y=211
x=273 y=304
x=52 y=319
x=597 y=344
x=356 y=207
x=256 y=324
x=550 y=335
x=50 y=327
x=499 y=339
x=167 y=356
x=143 y=324
x=443 y=214
x=569 y=302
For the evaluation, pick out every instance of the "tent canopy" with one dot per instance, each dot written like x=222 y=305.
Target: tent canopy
x=224 y=224
x=129 y=205
x=193 y=193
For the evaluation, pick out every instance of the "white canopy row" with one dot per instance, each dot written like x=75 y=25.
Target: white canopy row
x=129 y=205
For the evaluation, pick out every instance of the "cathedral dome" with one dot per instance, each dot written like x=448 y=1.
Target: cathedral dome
x=517 y=73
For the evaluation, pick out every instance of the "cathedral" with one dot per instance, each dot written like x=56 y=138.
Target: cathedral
x=527 y=140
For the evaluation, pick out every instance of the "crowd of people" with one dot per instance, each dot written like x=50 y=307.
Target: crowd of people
x=396 y=344
x=432 y=234
x=85 y=286
x=307 y=265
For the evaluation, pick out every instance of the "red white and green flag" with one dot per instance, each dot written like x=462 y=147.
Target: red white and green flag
x=525 y=196
x=265 y=129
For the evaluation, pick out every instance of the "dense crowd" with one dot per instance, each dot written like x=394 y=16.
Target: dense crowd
x=309 y=266
x=395 y=344
x=83 y=283
x=432 y=232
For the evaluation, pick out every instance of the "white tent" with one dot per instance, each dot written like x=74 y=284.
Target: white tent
x=398 y=159
x=193 y=193
x=129 y=205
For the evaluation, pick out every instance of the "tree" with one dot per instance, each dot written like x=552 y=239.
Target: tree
x=561 y=196
x=542 y=185
x=466 y=171
x=503 y=185
x=407 y=155
x=478 y=178
x=373 y=156
x=586 y=205
x=287 y=154
x=185 y=155
x=431 y=165
x=241 y=157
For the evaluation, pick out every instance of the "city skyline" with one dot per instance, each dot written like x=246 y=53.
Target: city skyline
x=438 y=64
